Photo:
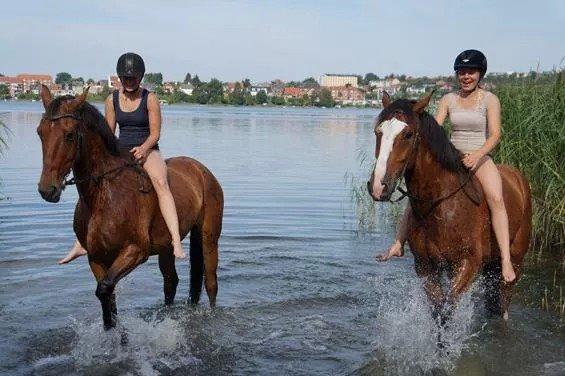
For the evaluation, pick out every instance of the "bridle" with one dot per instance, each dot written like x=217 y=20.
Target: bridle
x=406 y=192
x=95 y=178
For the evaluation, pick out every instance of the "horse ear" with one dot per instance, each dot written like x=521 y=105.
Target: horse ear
x=386 y=99
x=422 y=103
x=46 y=96
x=79 y=101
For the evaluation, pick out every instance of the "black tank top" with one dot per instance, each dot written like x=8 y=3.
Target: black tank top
x=134 y=125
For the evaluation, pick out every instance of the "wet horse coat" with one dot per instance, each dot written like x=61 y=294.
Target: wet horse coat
x=450 y=229
x=117 y=219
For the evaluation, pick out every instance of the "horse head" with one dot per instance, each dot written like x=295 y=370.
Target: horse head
x=397 y=134
x=59 y=134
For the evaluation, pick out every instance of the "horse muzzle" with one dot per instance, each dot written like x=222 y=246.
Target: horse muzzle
x=50 y=193
x=382 y=194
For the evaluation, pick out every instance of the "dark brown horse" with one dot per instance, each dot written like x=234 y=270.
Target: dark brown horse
x=450 y=228
x=117 y=217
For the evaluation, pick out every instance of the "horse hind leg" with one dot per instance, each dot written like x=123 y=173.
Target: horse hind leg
x=196 y=265
x=170 y=277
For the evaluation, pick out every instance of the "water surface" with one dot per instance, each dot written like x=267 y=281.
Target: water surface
x=299 y=291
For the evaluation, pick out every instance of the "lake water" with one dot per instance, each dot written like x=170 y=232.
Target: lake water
x=299 y=290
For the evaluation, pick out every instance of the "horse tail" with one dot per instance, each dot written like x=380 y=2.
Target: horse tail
x=196 y=265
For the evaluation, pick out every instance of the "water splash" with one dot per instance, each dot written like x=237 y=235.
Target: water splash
x=407 y=336
x=154 y=345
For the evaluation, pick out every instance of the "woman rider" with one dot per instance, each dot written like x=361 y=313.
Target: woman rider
x=138 y=114
x=475 y=116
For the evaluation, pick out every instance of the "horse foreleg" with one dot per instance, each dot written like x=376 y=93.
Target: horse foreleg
x=463 y=279
x=170 y=277
x=128 y=258
x=99 y=270
x=432 y=286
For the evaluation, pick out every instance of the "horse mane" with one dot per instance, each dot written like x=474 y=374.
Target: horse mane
x=432 y=133
x=92 y=119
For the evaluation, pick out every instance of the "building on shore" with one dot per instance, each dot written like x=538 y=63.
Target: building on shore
x=347 y=95
x=338 y=80
x=26 y=83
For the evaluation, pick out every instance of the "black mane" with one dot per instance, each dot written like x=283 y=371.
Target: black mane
x=92 y=119
x=431 y=132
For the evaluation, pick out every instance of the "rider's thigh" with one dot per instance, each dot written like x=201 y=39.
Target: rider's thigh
x=156 y=169
x=490 y=180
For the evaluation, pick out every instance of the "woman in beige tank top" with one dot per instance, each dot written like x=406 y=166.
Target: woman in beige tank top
x=475 y=116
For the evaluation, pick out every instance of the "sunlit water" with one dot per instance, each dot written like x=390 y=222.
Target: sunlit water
x=299 y=291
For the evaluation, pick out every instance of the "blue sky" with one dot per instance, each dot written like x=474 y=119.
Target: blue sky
x=266 y=39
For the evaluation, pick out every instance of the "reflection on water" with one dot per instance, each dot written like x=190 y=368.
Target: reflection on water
x=299 y=292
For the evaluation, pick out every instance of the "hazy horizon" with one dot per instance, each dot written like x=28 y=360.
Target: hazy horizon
x=269 y=40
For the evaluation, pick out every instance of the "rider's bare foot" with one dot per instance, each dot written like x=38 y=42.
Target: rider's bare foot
x=75 y=252
x=508 y=271
x=395 y=250
x=177 y=250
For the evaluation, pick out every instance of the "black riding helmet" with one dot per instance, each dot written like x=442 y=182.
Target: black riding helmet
x=471 y=59
x=130 y=65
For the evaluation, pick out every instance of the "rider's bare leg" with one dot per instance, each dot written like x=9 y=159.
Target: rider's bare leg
x=75 y=252
x=157 y=171
x=397 y=248
x=488 y=175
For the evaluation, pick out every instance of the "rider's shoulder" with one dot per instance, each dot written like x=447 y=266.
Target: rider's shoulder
x=110 y=99
x=490 y=98
x=446 y=98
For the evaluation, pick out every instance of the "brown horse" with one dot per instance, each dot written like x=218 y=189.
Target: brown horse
x=118 y=221
x=450 y=228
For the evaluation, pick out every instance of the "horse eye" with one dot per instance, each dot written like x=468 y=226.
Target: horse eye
x=69 y=137
x=408 y=135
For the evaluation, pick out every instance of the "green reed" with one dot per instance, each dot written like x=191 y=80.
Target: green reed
x=533 y=118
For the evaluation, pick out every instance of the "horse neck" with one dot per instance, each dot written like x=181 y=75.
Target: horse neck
x=427 y=179
x=93 y=160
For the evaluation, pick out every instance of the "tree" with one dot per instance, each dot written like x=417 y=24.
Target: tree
x=215 y=90
x=261 y=97
x=246 y=84
x=249 y=100
x=63 y=78
x=370 y=77
x=196 y=81
x=326 y=99
x=4 y=91
x=310 y=81
x=359 y=80
x=236 y=97
x=153 y=78
x=187 y=78
x=90 y=81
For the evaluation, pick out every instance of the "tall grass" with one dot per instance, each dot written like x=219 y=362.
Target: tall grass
x=533 y=118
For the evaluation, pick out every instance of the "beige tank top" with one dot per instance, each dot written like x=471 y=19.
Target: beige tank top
x=470 y=129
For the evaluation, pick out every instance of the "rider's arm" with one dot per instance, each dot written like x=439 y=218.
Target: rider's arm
x=154 y=111
x=493 y=123
x=109 y=113
x=442 y=110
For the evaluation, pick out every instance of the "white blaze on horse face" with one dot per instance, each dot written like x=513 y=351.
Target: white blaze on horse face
x=390 y=129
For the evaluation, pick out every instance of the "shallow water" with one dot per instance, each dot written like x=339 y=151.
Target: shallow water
x=299 y=292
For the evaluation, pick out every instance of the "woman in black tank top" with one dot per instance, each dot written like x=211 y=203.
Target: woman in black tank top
x=138 y=114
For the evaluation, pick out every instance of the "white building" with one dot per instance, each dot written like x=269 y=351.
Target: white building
x=337 y=80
